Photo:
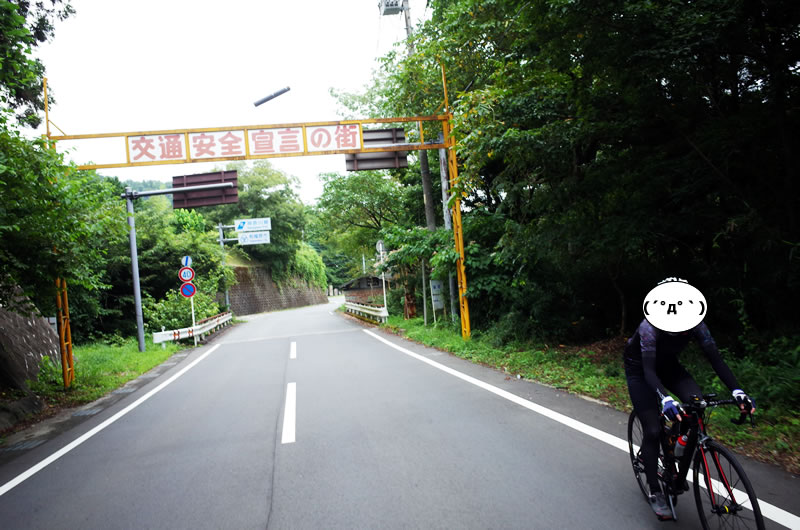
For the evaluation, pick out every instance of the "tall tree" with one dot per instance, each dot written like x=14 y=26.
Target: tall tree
x=616 y=142
x=23 y=26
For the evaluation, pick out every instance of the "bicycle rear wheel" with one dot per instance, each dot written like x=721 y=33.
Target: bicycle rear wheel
x=635 y=436
x=728 y=500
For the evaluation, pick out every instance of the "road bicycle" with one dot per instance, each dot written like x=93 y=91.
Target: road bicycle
x=724 y=495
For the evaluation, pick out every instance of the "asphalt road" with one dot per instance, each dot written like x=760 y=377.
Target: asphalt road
x=307 y=419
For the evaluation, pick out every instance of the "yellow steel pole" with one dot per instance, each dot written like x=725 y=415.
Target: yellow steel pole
x=62 y=302
x=64 y=332
x=46 y=109
x=458 y=233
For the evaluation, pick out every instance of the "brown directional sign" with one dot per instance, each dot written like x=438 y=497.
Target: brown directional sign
x=383 y=159
x=197 y=198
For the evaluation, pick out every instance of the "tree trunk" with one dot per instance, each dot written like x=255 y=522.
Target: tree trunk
x=427 y=190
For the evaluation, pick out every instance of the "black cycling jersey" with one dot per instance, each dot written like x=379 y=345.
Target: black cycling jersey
x=651 y=351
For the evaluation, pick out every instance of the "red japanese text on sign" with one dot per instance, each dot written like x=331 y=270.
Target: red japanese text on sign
x=232 y=145
x=331 y=137
x=290 y=140
x=141 y=147
x=347 y=137
x=171 y=147
x=219 y=144
x=262 y=142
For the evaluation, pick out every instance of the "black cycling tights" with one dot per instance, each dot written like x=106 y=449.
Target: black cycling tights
x=648 y=408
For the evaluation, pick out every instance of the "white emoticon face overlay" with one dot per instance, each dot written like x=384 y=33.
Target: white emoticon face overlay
x=674 y=306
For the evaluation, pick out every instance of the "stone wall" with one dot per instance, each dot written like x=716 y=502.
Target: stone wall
x=255 y=292
x=24 y=341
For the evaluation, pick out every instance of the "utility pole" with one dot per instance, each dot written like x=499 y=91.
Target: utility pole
x=424 y=167
x=222 y=241
x=448 y=224
x=137 y=292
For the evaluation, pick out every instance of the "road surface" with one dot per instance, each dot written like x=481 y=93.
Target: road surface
x=309 y=419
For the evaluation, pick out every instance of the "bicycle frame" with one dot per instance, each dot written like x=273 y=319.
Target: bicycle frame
x=693 y=421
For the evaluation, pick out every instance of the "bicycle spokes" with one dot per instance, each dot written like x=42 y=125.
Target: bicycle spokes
x=728 y=500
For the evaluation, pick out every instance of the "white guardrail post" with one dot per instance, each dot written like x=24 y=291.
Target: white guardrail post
x=200 y=330
x=378 y=313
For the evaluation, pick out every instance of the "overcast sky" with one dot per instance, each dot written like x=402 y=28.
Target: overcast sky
x=175 y=64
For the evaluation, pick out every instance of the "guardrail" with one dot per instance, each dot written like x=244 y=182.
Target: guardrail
x=379 y=313
x=200 y=330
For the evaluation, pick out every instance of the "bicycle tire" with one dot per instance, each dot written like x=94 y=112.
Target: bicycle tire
x=727 y=474
x=635 y=436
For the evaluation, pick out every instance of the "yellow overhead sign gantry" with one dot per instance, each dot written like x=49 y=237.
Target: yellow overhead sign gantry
x=253 y=142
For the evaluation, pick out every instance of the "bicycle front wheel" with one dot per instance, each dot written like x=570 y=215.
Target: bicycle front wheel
x=723 y=493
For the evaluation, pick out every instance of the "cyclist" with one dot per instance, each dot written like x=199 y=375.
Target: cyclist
x=652 y=366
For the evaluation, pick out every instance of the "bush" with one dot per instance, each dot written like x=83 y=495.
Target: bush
x=174 y=311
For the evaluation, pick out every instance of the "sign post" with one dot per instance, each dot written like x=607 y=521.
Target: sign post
x=382 y=252
x=188 y=290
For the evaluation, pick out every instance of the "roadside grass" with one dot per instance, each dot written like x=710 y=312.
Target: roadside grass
x=596 y=371
x=99 y=369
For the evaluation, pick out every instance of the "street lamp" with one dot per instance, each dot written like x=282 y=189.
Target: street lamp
x=271 y=96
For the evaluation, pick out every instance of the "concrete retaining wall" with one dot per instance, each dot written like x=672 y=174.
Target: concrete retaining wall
x=255 y=292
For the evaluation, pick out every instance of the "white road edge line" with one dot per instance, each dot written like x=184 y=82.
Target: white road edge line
x=289 y=414
x=22 y=477
x=768 y=510
x=293 y=351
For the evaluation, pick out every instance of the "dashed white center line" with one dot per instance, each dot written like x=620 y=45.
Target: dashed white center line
x=289 y=414
x=293 y=351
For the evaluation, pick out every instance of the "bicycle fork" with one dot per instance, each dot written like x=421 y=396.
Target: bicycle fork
x=722 y=509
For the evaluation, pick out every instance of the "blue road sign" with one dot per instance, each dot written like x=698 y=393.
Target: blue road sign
x=249 y=225
x=188 y=289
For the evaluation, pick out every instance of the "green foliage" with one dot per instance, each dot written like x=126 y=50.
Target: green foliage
x=54 y=222
x=189 y=221
x=174 y=311
x=771 y=375
x=606 y=145
x=99 y=369
x=164 y=236
x=266 y=192
x=23 y=26
x=307 y=266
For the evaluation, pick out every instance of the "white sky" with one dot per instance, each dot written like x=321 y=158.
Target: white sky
x=176 y=64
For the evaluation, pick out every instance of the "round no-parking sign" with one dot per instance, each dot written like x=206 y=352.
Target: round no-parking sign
x=188 y=289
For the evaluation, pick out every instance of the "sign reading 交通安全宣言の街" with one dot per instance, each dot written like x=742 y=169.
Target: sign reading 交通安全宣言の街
x=238 y=143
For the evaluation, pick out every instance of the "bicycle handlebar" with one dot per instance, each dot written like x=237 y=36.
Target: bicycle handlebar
x=704 y=402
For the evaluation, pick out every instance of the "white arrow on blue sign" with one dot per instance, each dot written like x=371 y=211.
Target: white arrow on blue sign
x=249 y=225
x=253 y=238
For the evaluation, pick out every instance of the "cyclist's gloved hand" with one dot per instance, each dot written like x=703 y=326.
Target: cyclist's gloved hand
x=671 y=408
x=745 y=402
